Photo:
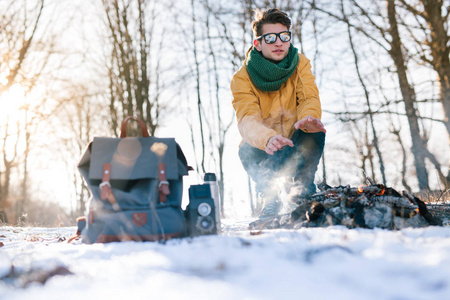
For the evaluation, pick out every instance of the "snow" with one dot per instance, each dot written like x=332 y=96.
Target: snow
x=309 y=263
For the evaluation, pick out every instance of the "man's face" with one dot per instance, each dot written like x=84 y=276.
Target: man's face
x=276 y=51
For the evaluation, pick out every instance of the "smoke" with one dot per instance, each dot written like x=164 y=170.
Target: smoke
x=286 y=174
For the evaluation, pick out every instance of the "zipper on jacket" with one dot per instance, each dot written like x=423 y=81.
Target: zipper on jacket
x=281 y=114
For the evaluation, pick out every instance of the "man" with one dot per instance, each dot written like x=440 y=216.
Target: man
x=278 y=112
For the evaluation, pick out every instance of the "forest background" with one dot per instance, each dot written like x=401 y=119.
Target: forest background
x=72 y=70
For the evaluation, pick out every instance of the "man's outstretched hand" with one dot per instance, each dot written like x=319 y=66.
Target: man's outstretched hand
x=308 y=124
x=311 y=125
x=276 y=143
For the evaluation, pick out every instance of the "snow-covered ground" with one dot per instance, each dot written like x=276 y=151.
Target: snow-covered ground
x=310 y=263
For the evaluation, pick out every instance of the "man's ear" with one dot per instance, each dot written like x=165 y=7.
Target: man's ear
x=257 y=45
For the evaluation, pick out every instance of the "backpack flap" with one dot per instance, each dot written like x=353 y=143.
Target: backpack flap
x=134 y=158
x=134 y=164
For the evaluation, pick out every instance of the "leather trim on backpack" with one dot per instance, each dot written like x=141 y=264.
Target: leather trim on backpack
x=106 y=238
x=140 y=219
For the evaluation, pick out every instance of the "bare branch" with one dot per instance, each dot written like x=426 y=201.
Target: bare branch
x=346 y=21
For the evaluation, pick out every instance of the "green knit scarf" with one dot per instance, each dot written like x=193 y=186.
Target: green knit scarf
x=268 y=76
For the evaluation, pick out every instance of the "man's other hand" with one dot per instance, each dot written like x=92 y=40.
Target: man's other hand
x=311 y=125
x=276 y=143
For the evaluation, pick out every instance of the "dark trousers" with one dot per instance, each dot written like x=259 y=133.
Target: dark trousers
x=299 y=162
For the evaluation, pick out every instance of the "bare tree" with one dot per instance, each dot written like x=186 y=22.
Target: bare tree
x=409 y=96
x=17 y=34
x=220 y=125
x=79 y=123
x=367 y=97
x=385 y=34
x=197 y=84
x=130 y=71
x=18 y=25
x=364 y=146
x=430 y=33
x=396 y=132
x=8 y=163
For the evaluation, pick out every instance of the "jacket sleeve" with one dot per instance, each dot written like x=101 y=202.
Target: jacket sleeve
x=307 y=92
x=248 y=113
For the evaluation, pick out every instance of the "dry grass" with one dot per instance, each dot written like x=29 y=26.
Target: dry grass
x=434 y=197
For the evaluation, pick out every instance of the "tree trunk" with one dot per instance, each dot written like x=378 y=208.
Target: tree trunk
x=197 y=74
x=396 y=132
x=409 y=97
x=23 y=200
x=432 y=18
x=440 y=51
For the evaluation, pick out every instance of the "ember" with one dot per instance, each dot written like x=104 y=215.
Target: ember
x=381 y=193
x=360 y=189
x=372 y=206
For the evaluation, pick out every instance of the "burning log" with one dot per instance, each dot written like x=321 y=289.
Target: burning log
x=399 y=202
x=372 y=206
x=315 y=211
x=423 y=210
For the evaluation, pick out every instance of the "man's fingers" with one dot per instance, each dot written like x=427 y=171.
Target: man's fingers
x=277 y=143
x=282 y=142
x=269 y=150
x=303 y=124
x=310 y=124
x=319 y=123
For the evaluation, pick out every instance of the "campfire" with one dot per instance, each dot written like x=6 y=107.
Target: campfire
x=371 y=206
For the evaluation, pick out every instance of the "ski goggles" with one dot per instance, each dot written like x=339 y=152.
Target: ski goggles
x=270 y=38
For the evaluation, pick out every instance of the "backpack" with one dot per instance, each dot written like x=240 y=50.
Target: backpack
x=136 y=186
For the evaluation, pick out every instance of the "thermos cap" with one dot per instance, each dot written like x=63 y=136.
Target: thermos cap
x=210 y=177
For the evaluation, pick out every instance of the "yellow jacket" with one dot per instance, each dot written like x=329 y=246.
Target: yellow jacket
x=262 y=115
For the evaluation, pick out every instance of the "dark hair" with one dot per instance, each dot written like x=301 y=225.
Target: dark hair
x=269 y=16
